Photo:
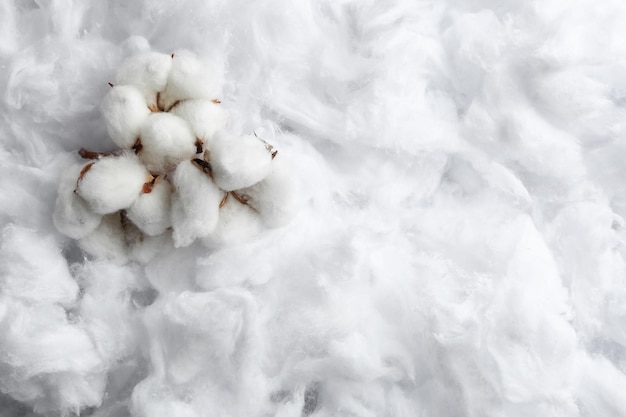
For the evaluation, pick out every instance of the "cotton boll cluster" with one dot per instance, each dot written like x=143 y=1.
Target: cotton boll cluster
x=182 y=174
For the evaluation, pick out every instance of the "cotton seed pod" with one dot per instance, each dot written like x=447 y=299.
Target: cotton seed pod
x=147 y=72
x=124 y=110
x=166 y=140
x=237 y=223
x=112 y=183
x=151 y=211
x=195 y=204
x=204 y=117
x=189 y=78
x=276 y=198
x=72 y=216
x=108 y=240
x=239 y=161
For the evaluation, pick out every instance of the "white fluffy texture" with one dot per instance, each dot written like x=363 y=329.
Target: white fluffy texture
x=72 y=216
x=278 y=197
x=203 y=353
x=151 y=211
x=460 y=247
x=237 y=223
x=204 y=117
x=32 y=268
x=166 y=140
x=195 y=204
x=239 y=161
x=113 y=183
x=124 y=110
x=147 y=72
x=108 y=241
x=189 y=78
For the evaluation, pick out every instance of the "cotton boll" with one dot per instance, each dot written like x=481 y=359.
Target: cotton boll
x=108 y=240
x=72 y=216
x=189 y=78
x=237 y=223
x=147 y=72
x=276 y=198
x=151 y=211
x=204 y=116
x=166 y=140
x=239 y=161
x=124 y=110
x=112 y=183
x=33 y=269
x=195 y=204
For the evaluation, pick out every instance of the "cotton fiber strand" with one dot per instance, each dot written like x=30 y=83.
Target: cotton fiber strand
x=112 y=183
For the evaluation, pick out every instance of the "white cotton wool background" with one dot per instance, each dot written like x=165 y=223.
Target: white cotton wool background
x=458 y=244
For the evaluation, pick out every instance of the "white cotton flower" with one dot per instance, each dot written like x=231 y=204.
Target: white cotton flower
x=108 y=240
x=276 y=198
x=237 y=223
x=166 y=140
x=195 y=204
x=72 y=216
x=147 y=72
x=204 y=117
x=189 y=78
x=112 y=183
x=239 y=161
x=124 y=110
x=151 y=210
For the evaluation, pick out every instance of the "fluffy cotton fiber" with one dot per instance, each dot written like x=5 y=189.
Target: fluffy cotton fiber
x=166 y=140
x=112 y=183
x=237 y=223
x=147 y=72
x=204 y=117
x=72 y=215
x=239 y=161
x=195 y=204
x=276 y=197
x=151 y=211
x=460 y=251
x=124 y=110
x=190 y=78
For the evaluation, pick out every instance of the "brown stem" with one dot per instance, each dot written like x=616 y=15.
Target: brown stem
x=223 y=202
x=199 y=144
x=85 y=154
x=204 y=166
x=137 y=147
x=243 y=199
